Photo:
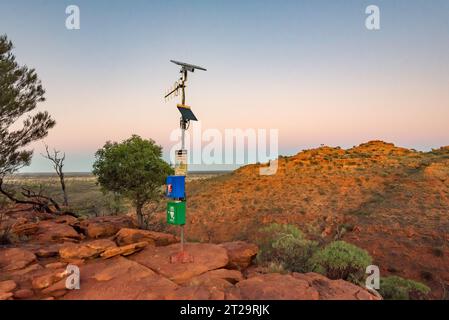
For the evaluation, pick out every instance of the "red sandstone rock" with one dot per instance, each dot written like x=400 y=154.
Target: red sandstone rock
x=196 y=293
x=105 y=226
x=124 y=251
x=240 y=254
x=6 y=296
x=127 y=236
x=206 y=257
x=56 y=265
x=230 y=276
x=15 y=259
x=7 y=286
x=46 y=280
x=70 y=220
x=25 y=229
x=120 y=279
x=335 y=289
x=50 y=231
x=47 y=252
x=23 y=294
x=86 y=250
x=276 y=286
x=78 y=252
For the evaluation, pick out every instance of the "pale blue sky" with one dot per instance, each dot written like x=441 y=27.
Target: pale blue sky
x=308 y=68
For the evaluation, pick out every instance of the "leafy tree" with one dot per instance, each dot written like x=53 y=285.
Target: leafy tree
x=134 y=169
x=20 y=92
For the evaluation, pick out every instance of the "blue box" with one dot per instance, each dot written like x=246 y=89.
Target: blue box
x=176 y=187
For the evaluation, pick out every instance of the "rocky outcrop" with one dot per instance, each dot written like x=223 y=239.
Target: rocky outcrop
x=50 y=231
x=15 y=258
x=119 y=278
x=124 y=250
x=25 y=229
x=105 y=226
x=23 y=294
x=127 y=236
x=276 y=286
x=129 y=264
x=48 y=279
x=88 y=250
x=7 y=286
x=335 y=289
x=206 y=257
x=240 y=254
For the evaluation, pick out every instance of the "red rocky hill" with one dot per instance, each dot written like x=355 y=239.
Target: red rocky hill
x=391 y=201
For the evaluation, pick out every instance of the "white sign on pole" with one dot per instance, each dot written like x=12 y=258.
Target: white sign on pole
x=181 y=162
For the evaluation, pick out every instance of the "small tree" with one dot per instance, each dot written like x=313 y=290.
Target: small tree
x=20 y=91
x=134 y=169
x=58 y=164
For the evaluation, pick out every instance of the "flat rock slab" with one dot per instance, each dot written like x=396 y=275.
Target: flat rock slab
x=335 y=289
x=15 y=259
x=7 y=286
x=127 y=236
x=241 y=254
x=275 y=286
x=229 y=276
x=124 y=250
x=99 y=227
x=50 y=231
x=197 y=293
x=119 y=278
x=86 y=250
x=206 y=257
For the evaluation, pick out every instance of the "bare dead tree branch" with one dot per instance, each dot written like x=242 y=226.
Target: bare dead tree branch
x=38 y=205
x=58 y=164
x=30 y=194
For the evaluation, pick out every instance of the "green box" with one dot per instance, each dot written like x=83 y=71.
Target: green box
x=176 y=213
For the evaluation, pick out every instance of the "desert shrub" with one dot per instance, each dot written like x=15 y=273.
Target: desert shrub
x=285 y=246
x=341 y=260
x=397 y=288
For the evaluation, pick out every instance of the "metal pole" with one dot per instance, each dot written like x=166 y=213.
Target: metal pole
x=183 y=129
x=183 y=132
x=182 y=238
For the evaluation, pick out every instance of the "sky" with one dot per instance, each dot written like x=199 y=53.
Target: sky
x=309 y=69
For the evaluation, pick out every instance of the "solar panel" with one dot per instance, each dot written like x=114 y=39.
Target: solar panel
x=187 y=66
x=186 y=112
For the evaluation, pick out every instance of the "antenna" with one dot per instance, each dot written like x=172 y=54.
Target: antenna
x=181 y=83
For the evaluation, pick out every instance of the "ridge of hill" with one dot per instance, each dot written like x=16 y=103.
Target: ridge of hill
x=391 y=201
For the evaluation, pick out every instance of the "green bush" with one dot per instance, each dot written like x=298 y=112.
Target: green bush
x=341 y=260
x=285 y=246
x=397 y=288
